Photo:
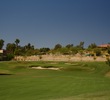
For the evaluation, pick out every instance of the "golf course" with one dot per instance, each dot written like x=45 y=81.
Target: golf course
x=54 y=80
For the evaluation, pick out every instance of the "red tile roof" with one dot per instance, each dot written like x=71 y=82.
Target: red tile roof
x=104 y=45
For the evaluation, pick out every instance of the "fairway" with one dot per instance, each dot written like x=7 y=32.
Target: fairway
x=73 y=81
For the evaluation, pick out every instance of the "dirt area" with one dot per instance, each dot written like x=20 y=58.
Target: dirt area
x=58 y=58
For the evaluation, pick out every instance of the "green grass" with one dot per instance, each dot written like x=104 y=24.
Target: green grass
x=74 y=81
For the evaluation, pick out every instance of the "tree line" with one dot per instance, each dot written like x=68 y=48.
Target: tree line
x=14 y=49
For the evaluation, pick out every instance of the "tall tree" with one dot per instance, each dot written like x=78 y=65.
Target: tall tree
x=57 y=46
x=92 y=46
x=1 y=43
x=11 y=48
x=28 y=46
x=17 y=41
x=69 y=46
x=81 y=45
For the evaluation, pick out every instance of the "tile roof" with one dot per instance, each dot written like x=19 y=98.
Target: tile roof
x=104 y=45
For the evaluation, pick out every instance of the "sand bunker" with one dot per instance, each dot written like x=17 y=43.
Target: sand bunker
x=45 y=68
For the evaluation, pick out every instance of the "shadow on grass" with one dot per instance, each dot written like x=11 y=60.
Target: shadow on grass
x=5 y=74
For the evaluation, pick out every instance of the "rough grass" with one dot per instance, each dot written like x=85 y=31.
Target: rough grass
x=75 y=81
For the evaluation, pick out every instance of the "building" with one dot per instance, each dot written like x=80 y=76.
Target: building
x=104 y=46
x=2 y=51
x=2 y=55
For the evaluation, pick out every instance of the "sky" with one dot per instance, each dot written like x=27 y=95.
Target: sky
x=45 y=23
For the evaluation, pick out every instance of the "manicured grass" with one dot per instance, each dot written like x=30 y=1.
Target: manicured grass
x=74 y=81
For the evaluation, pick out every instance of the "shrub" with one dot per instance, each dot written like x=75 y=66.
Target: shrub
x=9 y=57
x=108 y=60
x=97 y=51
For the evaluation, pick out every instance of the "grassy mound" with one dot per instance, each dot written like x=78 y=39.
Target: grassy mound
x=78 y=67
x=5 y=72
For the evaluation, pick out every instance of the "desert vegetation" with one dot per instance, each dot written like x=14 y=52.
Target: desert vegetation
x=14 y=49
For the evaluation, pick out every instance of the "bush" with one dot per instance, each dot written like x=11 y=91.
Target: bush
x=1 y=58
x=108 y=61
x=97 y=51
x=9 y=57
x=108 y=50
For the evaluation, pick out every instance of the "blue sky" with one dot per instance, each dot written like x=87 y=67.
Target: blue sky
x=45 y=23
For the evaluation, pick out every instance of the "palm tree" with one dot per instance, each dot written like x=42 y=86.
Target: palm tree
x=17 y=41
x=1 y=43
